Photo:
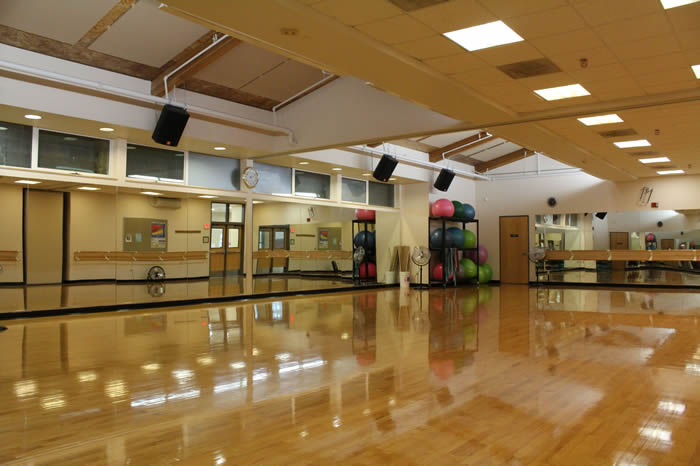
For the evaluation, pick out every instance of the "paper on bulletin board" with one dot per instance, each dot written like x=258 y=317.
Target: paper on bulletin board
x=323 y=238
x=158 y=240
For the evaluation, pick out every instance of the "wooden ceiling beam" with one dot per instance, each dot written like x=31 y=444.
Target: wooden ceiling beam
x=204 y=60
x=470 y=142
x=503 y=160
x=105 y=23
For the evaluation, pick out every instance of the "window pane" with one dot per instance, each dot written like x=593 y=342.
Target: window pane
x=273 y=179
x=73 y=153
x=15 y=145
x=218 y=212
x=214 y=172
x=264 y=239
x=312 y=185
x=233 y=237
x=235 y=213
x=280 y=242
x=381 y=194
x=354 y=190
x=154 y=164
x=217 y=238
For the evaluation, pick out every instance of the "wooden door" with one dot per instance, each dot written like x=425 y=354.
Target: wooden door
x=43 y=237
x=217 y=251
x=619 y=240
x=514 y=244
x=280 y=238
x=234 y=239
x=668 y=244
x=264 y=265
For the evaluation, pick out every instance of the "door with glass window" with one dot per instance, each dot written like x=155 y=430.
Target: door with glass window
x=273 y=238
x=226 y=242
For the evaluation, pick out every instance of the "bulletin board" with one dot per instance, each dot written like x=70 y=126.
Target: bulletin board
x=145 y=234
x=330 y=239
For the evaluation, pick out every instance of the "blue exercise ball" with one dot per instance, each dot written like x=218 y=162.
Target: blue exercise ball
x=360 y=239
x=456 y=236
x=372 y=240
x=436 y=239
x=469 y=212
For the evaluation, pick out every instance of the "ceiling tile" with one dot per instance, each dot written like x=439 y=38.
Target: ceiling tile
x=453 y=15
x=354 y=12
x=148 y=35
x=508 y=8
x=632 y=29
x=284 y=81
x=397 y=30
x=510 y=53
x=240 y=65
x=689 y=39
x=547 y=80
x=597 y=12
x=599 y=56
x=452 y=64
x=546 y=23
x=671 y=87
x=430 y=47
x=507 y=93
x=580 y=39
x=649 y=47
x=65 y=21
x=642 y=66
x=600 y=73
x=666 y=76
x=685 y=18
x=482 y=75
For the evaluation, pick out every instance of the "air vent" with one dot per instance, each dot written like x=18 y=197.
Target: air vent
x=411 y=5
x=617 y=133
x=527 y=69
x=644 y=153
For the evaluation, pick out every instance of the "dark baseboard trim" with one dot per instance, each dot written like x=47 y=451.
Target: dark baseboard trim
x=11 y=315
x=11 y=284
x=694 y=288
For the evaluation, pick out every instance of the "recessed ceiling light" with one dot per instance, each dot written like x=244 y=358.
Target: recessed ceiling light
x=366 y=174
x=32 y=117
x=151 y=193
x=484 y=36
x=130 y=147
x=601 y=120
x=258 y=202
x=670 y=172
x=655 y=160
x=562 y=92
x=303 y=163
x=668 y=4
x=27 y=182
x=89 y=188
x=2 y=128
x=106 y=130
x=70 y=138
x=696 y=70
x=219 y=148
x=636 y=143
x=392 y=179
x=207 y=196
x=336 y=169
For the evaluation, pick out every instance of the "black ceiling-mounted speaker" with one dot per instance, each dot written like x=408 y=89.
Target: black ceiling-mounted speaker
x=444 y=179
x=170 y=126
x=551 y=202
x=659 y=224
x=385 y=168
x=601 y=215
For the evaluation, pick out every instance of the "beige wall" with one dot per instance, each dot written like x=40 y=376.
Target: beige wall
x=414 y=222
x=11 y=231
x=44 y=237
x=388 y=237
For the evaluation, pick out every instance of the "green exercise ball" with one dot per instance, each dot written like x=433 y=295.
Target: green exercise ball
x=485 y=273
x=459 y=209
x=469 y=268
x=469 y=239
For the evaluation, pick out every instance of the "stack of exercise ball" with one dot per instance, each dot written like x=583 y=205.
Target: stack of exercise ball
x=367 y=240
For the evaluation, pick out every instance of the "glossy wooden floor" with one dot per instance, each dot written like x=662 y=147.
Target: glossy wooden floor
x=506 y=375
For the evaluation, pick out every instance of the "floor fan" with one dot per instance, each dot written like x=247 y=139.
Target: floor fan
x=535 y=255
x=357 y=257
x=421 y=257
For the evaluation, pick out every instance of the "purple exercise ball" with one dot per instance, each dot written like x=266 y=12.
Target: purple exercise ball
x=483 y=255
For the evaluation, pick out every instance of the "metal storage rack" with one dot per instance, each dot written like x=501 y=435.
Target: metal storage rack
x=370 y=253
x=444 y=221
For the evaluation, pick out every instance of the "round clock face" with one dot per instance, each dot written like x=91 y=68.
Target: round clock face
x=250 y=177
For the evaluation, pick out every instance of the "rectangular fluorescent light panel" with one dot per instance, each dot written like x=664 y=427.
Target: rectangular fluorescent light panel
x=668 y=4
x=696 y=70
x=484 y=36
x=601 y=120
x=628 y=144
x=655 y=160
x=670 y=172
x=562 y=92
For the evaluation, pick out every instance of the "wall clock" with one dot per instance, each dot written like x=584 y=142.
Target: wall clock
x=250 y=177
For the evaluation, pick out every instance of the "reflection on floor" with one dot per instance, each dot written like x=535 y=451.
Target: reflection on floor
x=42 y=297
x=645 y=277
x=505 y=375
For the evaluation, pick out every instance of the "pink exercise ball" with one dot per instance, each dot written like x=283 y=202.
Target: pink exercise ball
x=365 y=214
x=482 y=254
x=368 y=269
x=443 y=208
x=651 y=237
x=438 y=272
